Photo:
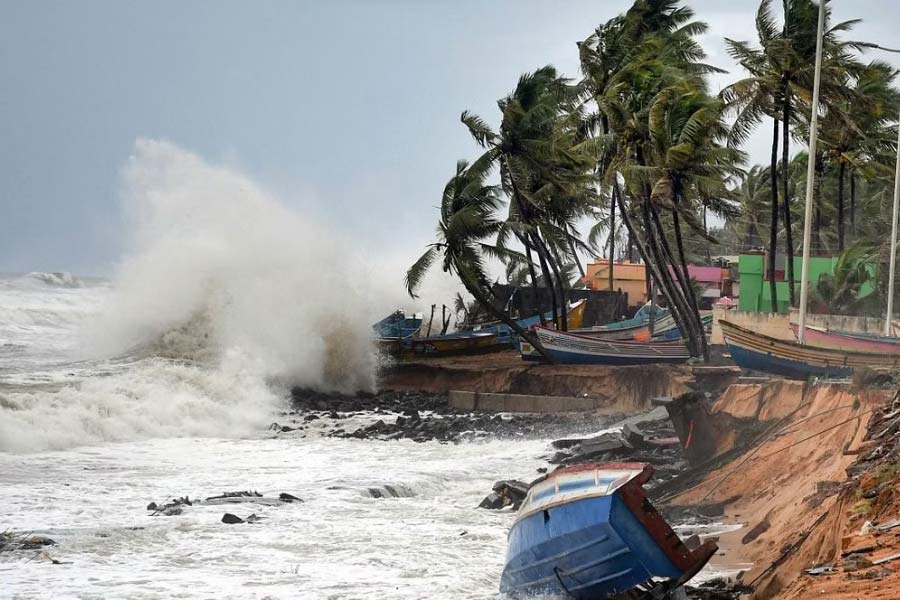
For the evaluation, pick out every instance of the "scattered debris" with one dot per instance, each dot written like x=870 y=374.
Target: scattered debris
x=11 y=541
x=856 y=562
x=171 y=508
x=820 y=570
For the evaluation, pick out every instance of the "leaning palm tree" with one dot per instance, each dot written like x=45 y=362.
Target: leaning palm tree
x=545 y=163
x=468 y=218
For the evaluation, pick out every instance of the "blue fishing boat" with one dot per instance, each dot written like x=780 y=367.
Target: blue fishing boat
x=572 y=348
x=397 y=326
x=589 y=532
x=505 y=334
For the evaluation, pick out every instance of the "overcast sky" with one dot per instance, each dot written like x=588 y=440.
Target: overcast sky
x=349 y=111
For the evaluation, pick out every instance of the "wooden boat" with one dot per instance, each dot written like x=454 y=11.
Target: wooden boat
x=572 y=348
x=634 y=328
x=752 y=350
x=662 y=324
x=850 y=342
x=397 y=325
x=574 y=318
x=452 y=344
x=589 y=532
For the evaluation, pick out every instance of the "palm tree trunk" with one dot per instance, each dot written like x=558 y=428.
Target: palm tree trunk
x=819 y=172
x=612 y=236
x=647 y=257
x=674 y=297
x=575 y=258
x=690 y=292
x=481 y=297
x=852 y=203
x=534 y=282
x=691 y=314
x=785 y=180
x=773 y=225
x=557 y=267
x=548 y=279
x=840 y=206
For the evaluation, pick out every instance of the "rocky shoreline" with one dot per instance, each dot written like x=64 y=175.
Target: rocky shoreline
x=421 y=417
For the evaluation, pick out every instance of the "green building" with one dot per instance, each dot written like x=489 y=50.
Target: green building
x=755 y=292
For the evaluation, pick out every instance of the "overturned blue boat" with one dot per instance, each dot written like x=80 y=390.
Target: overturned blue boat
x=589 y=532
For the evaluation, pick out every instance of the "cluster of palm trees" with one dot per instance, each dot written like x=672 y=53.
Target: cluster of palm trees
x=857 y=133
x=641 y=146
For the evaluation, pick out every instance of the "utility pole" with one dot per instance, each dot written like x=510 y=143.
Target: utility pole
x=810 y=176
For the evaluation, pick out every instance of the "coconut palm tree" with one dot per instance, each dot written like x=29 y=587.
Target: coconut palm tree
x=468 y=218
x=779 y=86
x=546 y=170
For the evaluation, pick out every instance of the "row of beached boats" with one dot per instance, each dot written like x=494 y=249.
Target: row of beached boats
x=650 y=336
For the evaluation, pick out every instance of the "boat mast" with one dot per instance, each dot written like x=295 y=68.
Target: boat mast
x=810 y=174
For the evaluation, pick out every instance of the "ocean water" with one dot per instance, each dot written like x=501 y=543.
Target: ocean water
x=162 y=382
x=74 y=465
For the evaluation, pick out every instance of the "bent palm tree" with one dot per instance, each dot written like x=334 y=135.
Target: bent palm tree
x=468 y=218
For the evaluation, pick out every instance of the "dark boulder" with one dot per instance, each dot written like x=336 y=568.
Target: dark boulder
x=493 y=501
x=231 y=519
x=285 y=497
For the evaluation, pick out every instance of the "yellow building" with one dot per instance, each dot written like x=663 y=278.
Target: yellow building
x=628 y=277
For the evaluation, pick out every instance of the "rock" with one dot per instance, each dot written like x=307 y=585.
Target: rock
x=856 y=562
x=172 y=510
x=152 y=506
x=311 y=417
x=285 y=497
x=390 y=491
x=252 y=518
x=512 y=490
x=759 y=529
x=493 y=501
x=286 y=428
x=231 y=519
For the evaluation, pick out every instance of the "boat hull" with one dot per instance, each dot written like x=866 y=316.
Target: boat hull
x=752 y=350
x=589 y=532
x=571 y=348
x=847 y=341
x=477 y=343
x=755 y=360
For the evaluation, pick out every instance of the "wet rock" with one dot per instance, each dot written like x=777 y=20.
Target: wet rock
x=512 y=490
x=285 y=497
x=231 y=519
x=493 y=501
x=169 y=509
x=396 y=490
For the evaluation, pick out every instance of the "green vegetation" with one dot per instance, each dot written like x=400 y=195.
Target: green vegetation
x=642 y=147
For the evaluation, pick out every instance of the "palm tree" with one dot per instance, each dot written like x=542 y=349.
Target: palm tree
x=468 y=218
x=545 y=163
x=857 y=132
x=780 y=80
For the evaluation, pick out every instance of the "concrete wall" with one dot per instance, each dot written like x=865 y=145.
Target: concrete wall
x=522 y=402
